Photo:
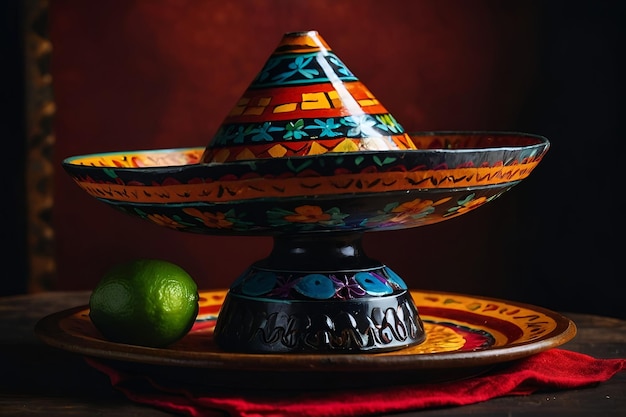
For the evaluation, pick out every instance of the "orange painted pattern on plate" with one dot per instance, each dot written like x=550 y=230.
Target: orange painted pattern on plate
x=250 y=188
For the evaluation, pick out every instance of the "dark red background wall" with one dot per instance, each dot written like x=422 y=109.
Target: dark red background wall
x=132 y=74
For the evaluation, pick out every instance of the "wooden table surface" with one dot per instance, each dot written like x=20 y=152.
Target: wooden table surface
x=39 y=380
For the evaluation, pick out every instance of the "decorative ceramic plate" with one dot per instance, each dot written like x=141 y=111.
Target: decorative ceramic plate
x=465 y=334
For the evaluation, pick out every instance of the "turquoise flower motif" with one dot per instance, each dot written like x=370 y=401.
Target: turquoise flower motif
x=326 y=127
x=240 y=135
x=233 y=134
x=360 y=125
x=299 y=67
x=265 y=72
x=295 y=130
x=262 y=133
x=340 y=66
x=388 y=123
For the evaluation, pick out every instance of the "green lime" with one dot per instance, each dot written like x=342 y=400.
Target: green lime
x=146 y=302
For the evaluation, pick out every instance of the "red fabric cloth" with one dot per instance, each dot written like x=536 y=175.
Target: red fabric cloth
x=554 y=369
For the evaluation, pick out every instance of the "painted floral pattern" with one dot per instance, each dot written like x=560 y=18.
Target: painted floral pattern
x=218 y=220
x=307 y=217
x=469 y=203
x=350 y=126
x=300 y=69
x=163 y=220
x=345 y=286
x=397 y=213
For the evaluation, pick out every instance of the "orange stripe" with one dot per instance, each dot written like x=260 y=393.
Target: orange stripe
x=233 y=191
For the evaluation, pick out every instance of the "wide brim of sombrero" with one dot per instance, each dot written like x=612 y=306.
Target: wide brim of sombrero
x=378 y=189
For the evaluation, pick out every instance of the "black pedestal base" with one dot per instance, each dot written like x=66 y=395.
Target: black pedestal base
x=318 y=294
x=364 y=325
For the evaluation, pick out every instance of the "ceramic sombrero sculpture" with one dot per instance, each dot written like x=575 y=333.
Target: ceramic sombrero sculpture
x=305 y=101
x=310 y=157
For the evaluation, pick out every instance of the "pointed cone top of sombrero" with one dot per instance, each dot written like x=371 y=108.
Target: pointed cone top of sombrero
x=305 y=101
